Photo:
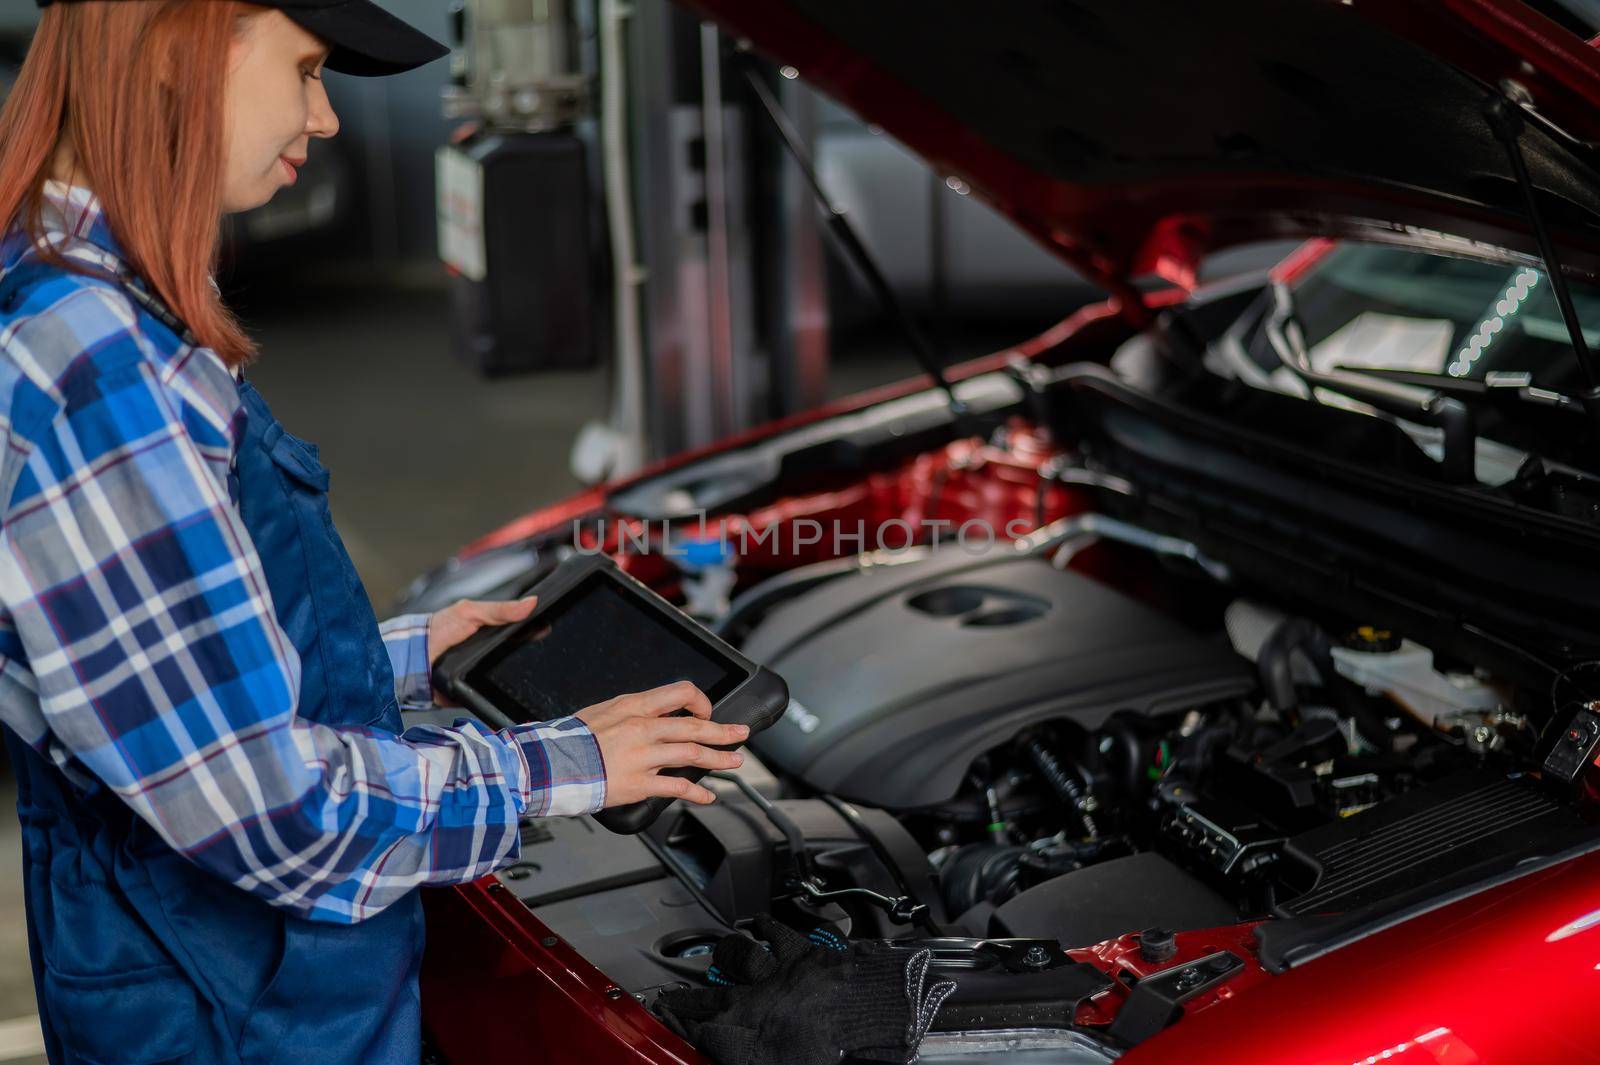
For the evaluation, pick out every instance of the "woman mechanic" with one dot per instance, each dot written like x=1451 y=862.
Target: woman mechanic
x=224 y=828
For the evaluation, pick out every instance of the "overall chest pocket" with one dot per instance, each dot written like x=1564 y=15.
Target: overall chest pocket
x=305 y=483
x=298 y=459
x=324 y=608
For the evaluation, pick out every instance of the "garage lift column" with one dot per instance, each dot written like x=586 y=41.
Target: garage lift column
x=734 y=290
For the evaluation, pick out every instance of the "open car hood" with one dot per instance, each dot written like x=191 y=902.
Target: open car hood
x=1133 y=137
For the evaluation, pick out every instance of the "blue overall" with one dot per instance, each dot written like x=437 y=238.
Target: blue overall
x=139 y=955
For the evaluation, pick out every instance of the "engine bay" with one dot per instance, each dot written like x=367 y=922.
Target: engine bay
x=1106 y=765
x=1084 y=771
x=1104 y=773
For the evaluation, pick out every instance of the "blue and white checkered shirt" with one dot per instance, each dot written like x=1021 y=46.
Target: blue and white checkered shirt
x=139 y=651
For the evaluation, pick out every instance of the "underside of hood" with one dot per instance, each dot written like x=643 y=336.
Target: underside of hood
x=1134 y=136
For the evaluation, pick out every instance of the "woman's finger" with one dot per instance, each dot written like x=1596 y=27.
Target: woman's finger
x=680 y=788
x=669 y=697
x=501 y=613
x=693 y=730
x=687 y=754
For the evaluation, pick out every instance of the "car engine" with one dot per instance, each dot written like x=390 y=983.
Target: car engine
x=1002 y=748
x=985 y=650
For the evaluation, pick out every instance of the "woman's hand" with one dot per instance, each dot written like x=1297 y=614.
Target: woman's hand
x=461 y=619
x=638 y=739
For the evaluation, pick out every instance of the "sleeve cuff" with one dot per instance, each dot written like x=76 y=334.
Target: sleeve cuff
x=406 y=640
x=566 y=773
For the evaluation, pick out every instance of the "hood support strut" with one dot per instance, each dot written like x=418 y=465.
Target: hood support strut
x=850 y=244
x=1504 y=115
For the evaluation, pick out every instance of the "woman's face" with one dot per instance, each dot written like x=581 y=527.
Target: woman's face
x=275 y=104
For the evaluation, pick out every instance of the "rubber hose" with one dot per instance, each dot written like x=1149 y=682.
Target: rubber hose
x=1065 y=784
x=1276 y=665
x=979 y=872
x=1121 y=728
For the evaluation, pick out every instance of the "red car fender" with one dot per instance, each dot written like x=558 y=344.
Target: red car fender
x=1508 y=976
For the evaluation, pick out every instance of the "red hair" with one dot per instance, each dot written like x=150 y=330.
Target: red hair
x=136 y=88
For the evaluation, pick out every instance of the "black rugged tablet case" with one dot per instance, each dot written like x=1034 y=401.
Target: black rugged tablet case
x=757 y=702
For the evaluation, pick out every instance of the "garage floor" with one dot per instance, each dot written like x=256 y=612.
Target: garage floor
x=425 y=455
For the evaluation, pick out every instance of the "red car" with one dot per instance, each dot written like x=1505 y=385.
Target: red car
x=1219 y=681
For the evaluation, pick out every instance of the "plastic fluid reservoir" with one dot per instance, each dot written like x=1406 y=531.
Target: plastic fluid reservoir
x=1406 y=674
x=707 y=564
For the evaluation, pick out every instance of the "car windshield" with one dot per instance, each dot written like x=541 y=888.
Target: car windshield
x=1392 y=308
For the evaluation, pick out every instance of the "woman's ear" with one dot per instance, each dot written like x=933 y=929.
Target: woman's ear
x=239 y=43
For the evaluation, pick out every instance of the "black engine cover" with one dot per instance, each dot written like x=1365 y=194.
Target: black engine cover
x=903 y=674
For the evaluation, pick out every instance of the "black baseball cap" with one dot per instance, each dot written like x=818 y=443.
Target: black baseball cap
x=366 y=40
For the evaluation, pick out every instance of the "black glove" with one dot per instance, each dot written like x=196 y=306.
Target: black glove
x=807 y=1001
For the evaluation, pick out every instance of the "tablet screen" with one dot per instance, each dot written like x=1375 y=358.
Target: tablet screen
x=596 y=643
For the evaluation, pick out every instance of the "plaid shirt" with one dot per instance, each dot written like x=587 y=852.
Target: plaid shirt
x=139 y=651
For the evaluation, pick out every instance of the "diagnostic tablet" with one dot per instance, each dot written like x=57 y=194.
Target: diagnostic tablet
x=597 y=633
